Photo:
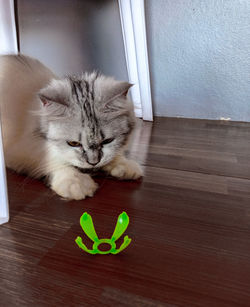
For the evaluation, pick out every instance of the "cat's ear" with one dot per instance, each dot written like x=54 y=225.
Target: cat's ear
x=56 y=92
x=48 y=100
x=115 y=101
x=117 y=90
x=54 y=100
x=111 y=96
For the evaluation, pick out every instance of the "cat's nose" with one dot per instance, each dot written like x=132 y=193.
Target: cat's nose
x=94 y=157
x=92 y=163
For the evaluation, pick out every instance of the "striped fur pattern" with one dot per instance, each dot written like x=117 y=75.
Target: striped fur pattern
x=91 y=110
x=53 y=127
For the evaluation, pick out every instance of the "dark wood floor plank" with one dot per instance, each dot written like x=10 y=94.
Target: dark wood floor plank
x=185 y=179
x=205 y=147
x=189 y=224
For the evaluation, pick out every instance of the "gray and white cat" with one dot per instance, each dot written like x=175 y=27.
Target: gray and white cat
x=54 y=127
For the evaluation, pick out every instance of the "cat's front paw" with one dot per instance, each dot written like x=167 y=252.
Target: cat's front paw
x=124 y=169
x=75 y=187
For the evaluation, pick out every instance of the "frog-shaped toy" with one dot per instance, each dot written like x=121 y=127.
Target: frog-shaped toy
x=88 y=227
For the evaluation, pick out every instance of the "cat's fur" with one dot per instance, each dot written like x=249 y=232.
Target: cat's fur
x=41 y=113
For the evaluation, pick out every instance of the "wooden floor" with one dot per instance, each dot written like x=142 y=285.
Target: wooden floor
x=189 y=224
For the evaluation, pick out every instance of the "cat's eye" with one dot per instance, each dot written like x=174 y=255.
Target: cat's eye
x=107 y=141
x=74 y=144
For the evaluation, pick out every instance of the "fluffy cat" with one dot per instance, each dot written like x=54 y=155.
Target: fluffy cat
x=58 y=127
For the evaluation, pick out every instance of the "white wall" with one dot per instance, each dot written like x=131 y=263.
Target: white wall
x=199 y=52
x=71 y=36
x=8 y=44
x=8 y=40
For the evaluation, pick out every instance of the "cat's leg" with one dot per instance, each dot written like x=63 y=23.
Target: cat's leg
x=123 y=168
x=69 y=183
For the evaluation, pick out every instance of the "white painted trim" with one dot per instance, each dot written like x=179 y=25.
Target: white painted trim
x=132 y=15
x=4 y=207
x=8 y=36
x=138 y=15
x=8 y=44
x=130 y=53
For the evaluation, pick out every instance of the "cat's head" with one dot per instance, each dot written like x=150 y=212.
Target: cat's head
x=86 y=120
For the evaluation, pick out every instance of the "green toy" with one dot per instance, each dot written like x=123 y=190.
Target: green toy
x=88 y=227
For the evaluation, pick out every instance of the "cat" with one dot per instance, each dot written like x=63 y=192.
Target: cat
x=58 y=127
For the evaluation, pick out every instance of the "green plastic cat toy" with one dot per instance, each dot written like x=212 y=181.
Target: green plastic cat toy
x=88 y=227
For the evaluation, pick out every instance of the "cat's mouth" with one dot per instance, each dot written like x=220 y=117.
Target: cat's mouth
x=88 y=170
